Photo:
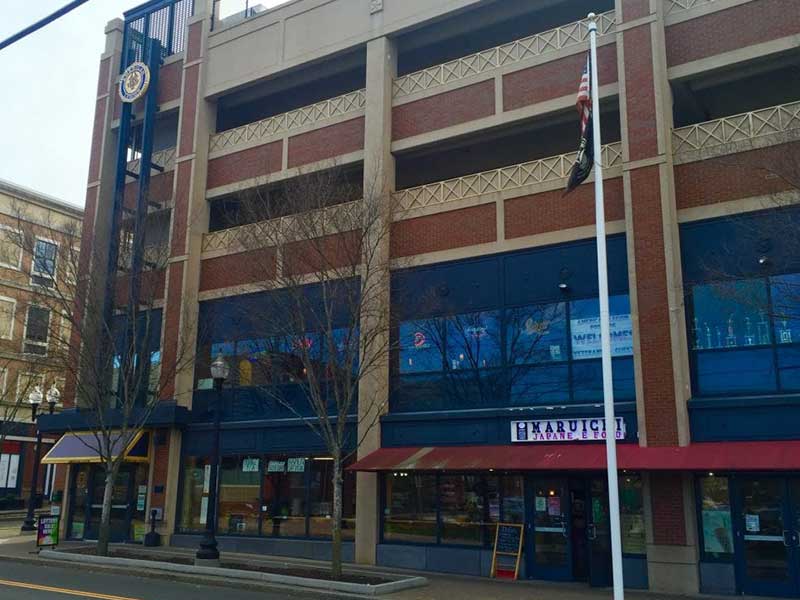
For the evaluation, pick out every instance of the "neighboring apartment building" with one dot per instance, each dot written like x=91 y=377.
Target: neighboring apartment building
x=464 y=111
x=34 y=229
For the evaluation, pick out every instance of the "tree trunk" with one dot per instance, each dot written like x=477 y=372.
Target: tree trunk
x=105 y=517
x=336 y=533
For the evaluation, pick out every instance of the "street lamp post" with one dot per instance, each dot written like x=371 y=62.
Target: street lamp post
x=35 y=399
x=208 y=545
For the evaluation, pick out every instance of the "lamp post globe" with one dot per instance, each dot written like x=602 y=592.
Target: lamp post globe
x=53 y=398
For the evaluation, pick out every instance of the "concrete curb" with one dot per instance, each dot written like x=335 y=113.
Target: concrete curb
x=391 y=587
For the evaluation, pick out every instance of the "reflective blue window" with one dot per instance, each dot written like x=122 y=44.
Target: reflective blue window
x=532 y=386
x=473 y=341
x=587 y=379
x=745 y=336
x=537 y=334
x=421 y=346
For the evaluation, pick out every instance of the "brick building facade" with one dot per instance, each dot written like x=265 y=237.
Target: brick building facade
x=464 y=113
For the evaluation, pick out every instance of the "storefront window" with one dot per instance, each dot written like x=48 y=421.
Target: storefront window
x=194 y=493
x=321 y=501
x=410 y=513
x=284 y=497
x=421 y=346
x=513 y=499
x=716 y=517
x=537 y=334
x=632 y=514
x=238 y=508
x=80 y=498
x=466 y=502
x=745 y=336
x=473 y=341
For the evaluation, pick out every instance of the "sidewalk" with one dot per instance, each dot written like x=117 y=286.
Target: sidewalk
x=441 y=587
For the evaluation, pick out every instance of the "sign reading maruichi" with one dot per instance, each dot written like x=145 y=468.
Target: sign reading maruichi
x=564 y=430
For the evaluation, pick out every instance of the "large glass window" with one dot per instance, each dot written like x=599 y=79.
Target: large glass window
x=715 y=517
x=37 y=330
x=745 y=336
x=632 y=514
x=523 y=356
x=285 y=497
x=10 y=247
x=194 y=494
x=238 y=495
x=453 y=508
x=43 y=269
x=410 y=512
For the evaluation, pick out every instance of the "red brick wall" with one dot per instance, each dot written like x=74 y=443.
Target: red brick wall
x=97 y=139
x=666 y=498
x=323 y=254
x=444 y=231
x=237 y=269
x=160 y=460
x=635 y=9
x=169 y=82
x=551 y=211
x=152 y=287
x=328 y=142
x=731 y=29
x=160 y=190
x=253 y=162
x=195 y=39
x=188 y=109
x=555 y=79
x=443 y=110
x=640 y=90
x=180 y=212
x=652 y=294
x=733 y=177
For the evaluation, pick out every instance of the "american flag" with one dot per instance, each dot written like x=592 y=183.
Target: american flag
x=585 y=158
x=585 y=97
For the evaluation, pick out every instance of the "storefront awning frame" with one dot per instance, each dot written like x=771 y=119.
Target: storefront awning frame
x=90 y=455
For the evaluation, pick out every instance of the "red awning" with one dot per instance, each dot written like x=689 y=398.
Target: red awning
x=709 y=456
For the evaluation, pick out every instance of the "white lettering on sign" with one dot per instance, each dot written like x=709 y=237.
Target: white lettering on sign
x=586 y=337
x=564 y=430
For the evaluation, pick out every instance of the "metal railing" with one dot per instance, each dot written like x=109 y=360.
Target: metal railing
x=737 y=128
x=230 y=12
x=333 y=107
x=674 y=6
x=567 y=35
x=163 y=158
x=553 y=168
x=164 y=21
x=264 y=233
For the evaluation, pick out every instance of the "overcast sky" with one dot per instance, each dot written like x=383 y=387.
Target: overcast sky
x=49 y=82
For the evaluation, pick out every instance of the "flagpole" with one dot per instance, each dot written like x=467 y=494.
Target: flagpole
x=605 y=325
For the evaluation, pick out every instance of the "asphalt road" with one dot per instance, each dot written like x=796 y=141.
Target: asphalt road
x=39 y=582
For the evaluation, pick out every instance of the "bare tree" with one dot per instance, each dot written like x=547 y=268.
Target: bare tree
x=104 y=335
x=317 y=246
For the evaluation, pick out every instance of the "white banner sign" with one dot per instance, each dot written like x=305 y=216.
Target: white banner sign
x=564 y=430
x=586 y=337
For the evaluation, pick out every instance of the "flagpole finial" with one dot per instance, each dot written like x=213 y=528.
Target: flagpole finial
x=591 y=16
x=592 y=24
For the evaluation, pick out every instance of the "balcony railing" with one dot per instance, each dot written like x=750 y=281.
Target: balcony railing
x=674 y=6
x=554 y=168
x=480 y=62
x=737 y=128
x=263 y=233
x=333 y=107
x=163 y=158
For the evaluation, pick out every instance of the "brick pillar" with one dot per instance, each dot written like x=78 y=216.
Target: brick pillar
x=379 y=173
x=189 y=222
x=662 y=388
x=99 y=197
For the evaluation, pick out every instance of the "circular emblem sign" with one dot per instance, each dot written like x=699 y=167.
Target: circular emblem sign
x=134 y=83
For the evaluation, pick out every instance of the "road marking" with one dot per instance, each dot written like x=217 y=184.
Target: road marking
x=55 y=590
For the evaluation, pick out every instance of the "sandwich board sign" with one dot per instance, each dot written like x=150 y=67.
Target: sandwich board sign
x=507 y=550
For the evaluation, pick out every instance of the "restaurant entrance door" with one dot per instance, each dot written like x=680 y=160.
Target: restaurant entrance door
x=568 y=533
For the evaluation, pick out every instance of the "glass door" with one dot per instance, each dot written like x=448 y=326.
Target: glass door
x=767 y=539
x=120 y=504
x=548 y=552
x=599 y=533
